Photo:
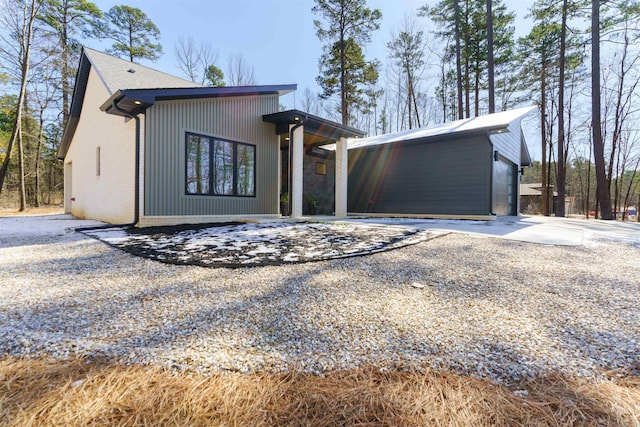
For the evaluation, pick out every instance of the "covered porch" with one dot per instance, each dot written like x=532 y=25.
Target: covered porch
x=313 y=179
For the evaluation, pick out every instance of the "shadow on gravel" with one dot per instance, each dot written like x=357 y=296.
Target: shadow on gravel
x=234 y=245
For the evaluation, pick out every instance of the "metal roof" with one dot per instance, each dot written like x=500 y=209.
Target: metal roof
x=312 y=125
x=134 y=101
x=491 y=122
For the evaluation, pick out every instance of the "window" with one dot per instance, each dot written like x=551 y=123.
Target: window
x=216 y=167
x=197 y=164
x=321 y=168
x=97 y=161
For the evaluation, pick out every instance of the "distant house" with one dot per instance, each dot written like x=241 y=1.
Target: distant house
x=148 y=148
x=467 y=168
x=531 y=200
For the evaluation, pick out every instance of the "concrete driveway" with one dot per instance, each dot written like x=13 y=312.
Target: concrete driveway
x=532 y=229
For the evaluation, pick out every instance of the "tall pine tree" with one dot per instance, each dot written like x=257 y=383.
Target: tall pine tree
x=347 y=26
x=134 y=34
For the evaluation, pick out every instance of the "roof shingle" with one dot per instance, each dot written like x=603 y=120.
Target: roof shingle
x=117 y=73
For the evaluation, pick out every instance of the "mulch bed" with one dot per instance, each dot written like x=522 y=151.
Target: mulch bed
x=235 y=245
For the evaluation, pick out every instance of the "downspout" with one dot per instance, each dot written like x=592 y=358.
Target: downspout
x=136 y=213
x=290 y=177
x=493 y=160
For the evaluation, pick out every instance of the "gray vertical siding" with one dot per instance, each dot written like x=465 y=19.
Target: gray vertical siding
x=448 y=177
x=233 y=118
x=509 y=143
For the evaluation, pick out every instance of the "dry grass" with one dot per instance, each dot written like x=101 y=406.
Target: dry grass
x=45 y=392
x=42 y=210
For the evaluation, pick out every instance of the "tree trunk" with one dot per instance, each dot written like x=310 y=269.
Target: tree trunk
x=467 y=79
x=490 y=66
x=476 y=103
x=604 y=198
x=30 y=11
x=344 y=108
x=21 y=173
x=456 y=7
x=543 y=127
x=589 y=178
x=38 y=156
x=560 y=162
x=65 y=71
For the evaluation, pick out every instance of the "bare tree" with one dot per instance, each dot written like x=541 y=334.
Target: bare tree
x=490 y=62
x=64 y=21
x=604 y=196
x=456 y=7
x=309 y=102
x=561 y=165
x=18 y=18
x=194 y=59
x=407 y=50
x=44 y=94
x=240 y=72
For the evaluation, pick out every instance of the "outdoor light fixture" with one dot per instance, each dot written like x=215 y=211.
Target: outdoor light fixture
x=498 y=131
x=286 y=139
x=137 y=102
x=495 y=156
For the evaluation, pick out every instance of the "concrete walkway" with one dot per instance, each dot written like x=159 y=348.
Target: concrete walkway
x=532 y=229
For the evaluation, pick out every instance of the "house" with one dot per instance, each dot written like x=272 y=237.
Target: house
x=531 y=198
x=466 y=169
x=146 y=148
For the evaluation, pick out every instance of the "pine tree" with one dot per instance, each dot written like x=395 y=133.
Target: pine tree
x=65 y=21
x=135 y=35
x=466 y=21
x=343 y=69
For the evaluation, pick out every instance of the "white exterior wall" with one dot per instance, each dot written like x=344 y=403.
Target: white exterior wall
x=108 y=197
x=342 y=176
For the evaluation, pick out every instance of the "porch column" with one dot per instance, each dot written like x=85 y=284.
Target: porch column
x=342 y=171
x=297 y=171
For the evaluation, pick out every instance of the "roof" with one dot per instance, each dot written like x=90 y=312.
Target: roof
x=533 y=189
x=497 y=122
x=134 y=87
x=134 y=101
x=312 y=125
x=118 y=73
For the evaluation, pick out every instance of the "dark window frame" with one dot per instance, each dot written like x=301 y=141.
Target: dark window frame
x=211 y=186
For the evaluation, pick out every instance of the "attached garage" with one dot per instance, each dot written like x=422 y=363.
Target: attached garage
x=467 y=168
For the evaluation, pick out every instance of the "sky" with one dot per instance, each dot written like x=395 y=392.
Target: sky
x=276 y=37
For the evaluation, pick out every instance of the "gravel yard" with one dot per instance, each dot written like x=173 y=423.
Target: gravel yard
x=488 y=307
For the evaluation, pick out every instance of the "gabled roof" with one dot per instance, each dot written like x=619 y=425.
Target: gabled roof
x=312 y=125
x=134 y=87
x=117 y=73
x=497 y=122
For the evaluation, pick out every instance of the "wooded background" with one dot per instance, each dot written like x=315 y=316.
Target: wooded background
x=454 y=59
